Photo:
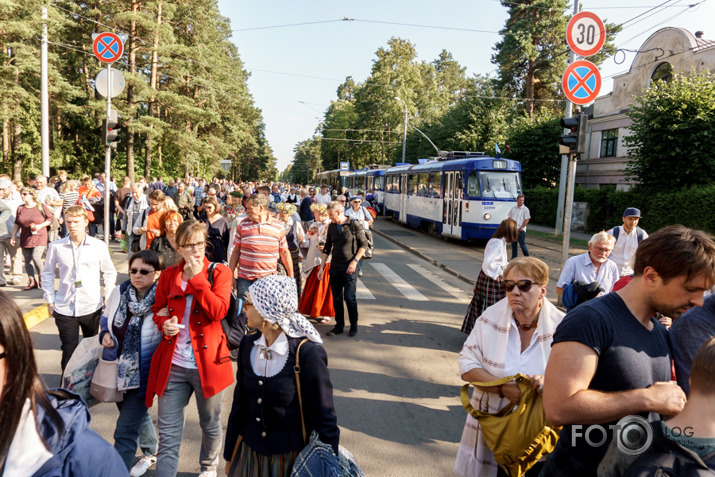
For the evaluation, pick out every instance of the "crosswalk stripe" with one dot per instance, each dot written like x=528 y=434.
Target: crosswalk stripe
x=437 y=280
x=362 y=293
x=407 y=290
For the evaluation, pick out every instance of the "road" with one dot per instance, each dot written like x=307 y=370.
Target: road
x=396 y=384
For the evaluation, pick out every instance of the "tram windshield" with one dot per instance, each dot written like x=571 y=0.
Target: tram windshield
x=494 y=184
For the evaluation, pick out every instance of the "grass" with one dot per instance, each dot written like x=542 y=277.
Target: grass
x=551 y=238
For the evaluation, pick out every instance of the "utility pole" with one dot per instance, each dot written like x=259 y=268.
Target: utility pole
x=564 y=158
x=44 y=99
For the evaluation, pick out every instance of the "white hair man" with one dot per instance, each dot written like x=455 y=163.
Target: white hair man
x=593 y=266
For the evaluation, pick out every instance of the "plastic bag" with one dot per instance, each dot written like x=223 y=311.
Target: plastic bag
x=80 y=369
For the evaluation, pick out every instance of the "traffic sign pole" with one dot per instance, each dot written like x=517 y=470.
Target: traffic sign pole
x=107 y=158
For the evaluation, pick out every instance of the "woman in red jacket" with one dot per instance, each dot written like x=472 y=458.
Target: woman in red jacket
x=193 y=356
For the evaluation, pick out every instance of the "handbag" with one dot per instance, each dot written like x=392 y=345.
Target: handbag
x=104 y=382
x=317 y=458
x=54 y=223
x=77 y=376
x=518 y=435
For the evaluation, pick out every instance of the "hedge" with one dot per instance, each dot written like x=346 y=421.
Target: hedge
x=692 y=207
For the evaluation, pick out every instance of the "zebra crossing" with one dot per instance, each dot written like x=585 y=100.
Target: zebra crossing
x=406 y=284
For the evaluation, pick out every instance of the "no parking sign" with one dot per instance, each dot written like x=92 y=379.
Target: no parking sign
x=108 y=47
x=581 y=82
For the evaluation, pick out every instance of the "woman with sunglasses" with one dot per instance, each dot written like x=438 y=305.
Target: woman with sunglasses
x=513 y=336
x=44 y=433
x=488 y=288
x=265 y=428
x=129 y=335
x=32 y=224
x=193 y=357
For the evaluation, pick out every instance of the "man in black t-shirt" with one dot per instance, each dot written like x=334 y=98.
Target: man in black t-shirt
x=346 y=240
x=611 y=358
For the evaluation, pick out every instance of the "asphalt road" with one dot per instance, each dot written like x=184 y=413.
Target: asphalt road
x=396 y=384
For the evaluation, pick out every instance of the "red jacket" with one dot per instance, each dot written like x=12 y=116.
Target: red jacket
x=209 y=307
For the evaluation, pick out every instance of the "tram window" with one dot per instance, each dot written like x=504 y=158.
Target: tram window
x=473 y=185
x=422 y=185
x=499 y=185
x=378 y=182
x=435 y=180
x=412 y=184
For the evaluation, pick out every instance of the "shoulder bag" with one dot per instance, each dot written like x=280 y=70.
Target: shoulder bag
x=104 y=382
x=54 y=223
x=518 y=435
x=234 y=323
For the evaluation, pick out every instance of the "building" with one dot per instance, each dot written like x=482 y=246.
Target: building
x=668 y=51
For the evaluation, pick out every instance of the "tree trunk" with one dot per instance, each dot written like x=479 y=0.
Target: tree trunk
x=131 y=91
x=530 y=79
x=152 y=85
x=17 y=158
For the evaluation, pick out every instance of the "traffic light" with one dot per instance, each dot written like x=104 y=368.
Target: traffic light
x=110 y=129
x=575 y=140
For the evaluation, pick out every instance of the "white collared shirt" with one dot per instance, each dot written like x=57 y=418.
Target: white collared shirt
x=83 y=264
x=278 y=352
x=519 y=215
x=625 y=248
x=581 y=268
x=495 y=259
x=322 y=199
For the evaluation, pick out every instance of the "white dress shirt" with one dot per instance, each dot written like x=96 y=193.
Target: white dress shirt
x=322 y=199
x=581 y=268
x=79 y=268
x=269 y=360
x=624 y=249
x=519 y=215
x=495 y=258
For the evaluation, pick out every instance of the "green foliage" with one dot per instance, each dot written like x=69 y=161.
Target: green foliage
x=658 y=209
x=672 y=137
x=534 y=143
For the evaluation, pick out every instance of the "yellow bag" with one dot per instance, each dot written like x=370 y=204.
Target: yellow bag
x=518 y=435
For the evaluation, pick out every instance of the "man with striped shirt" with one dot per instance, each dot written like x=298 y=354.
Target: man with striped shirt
x=259 y=241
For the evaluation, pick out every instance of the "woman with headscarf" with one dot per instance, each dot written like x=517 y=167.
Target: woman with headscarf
x=317 y=299
x=265 y=433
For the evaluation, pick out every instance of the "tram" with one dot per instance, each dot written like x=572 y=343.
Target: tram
x=464 y=195
x=371 y=180
x=333 y=179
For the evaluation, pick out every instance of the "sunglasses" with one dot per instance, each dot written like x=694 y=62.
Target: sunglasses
x=3 y=355
x=143 y=271
x=523 y=285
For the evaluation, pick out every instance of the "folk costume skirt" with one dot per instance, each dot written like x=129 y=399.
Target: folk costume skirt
x=317 y=299
x=487 y=291
x=295 y=255
x=248 y=463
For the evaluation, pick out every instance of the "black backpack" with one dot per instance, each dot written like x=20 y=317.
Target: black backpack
x=233 y=324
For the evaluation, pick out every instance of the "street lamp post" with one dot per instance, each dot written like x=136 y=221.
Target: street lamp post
x=404 y=135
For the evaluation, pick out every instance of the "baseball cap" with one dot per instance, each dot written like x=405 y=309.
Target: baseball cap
x=632 y=212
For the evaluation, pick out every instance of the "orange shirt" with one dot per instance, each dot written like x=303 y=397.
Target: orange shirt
x=152 y=223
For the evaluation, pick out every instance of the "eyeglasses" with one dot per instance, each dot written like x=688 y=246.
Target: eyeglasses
x=143 y=271
x=3 y=355
x=198 y=245
x=524 y=285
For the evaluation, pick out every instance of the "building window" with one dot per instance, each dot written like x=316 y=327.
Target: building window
x=609 y=140
x=663 y=71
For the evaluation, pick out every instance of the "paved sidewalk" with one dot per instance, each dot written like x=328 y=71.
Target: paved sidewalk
x=464 y=260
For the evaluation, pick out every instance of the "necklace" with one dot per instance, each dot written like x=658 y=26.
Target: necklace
x=528 y=326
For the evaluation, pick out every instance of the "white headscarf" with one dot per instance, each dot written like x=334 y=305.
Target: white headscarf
x=276 y=300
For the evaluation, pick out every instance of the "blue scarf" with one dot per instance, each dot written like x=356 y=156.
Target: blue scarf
x=128 y=363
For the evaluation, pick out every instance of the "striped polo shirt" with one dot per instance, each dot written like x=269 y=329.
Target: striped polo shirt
x=259 y=244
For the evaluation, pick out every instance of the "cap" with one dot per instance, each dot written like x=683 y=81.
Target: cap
x=357 y=197
x=632 y=212
x=5 y=183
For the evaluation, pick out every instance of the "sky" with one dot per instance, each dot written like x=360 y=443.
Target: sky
x=299 y=51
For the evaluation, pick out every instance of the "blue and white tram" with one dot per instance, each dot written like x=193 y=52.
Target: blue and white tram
x=369 y=180
x=464 y=196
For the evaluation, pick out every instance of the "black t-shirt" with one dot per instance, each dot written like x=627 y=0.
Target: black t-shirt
x=629 y=357
x=344 y=240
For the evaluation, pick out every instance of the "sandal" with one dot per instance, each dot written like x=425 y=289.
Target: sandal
x=323 y=320
x=31 y=284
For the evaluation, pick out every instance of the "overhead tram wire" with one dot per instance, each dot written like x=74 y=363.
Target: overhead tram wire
x=358 y=20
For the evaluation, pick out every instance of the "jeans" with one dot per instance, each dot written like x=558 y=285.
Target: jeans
x=343 y=287
x=182 y=383
x=15 y=259
x=242 y=285
x=522 y=244
x=68 y=327
x=33 y=256
x=134 y=428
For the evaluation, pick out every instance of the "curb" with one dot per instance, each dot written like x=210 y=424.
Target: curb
x=36 y=316
x=434 y=262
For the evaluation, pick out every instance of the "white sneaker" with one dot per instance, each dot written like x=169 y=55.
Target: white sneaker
x=208 y=473
x=143 y=465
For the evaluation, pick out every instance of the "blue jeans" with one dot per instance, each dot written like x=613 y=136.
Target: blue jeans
x=343 y=287
x=182 y=384
x=242 y=285
x=134 y=428
x=522 y=244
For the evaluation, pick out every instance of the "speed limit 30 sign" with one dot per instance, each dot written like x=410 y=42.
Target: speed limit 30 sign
x=585 y=33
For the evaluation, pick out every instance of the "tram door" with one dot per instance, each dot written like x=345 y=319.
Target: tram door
x=403 y=199
x=452 y=206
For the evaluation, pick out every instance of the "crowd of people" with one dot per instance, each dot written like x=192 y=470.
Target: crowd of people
x=163 y=326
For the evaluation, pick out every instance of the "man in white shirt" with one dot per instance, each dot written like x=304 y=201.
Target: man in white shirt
x=50 y=197
x=520 y=214
x=324 y=196
x=8 y=208
x=80 y=260
x=628 y=237
x=593 y=266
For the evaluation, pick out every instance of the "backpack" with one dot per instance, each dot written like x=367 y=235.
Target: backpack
x=368 y=236
x=578 y=292
x=639 y=233
x=234 y=323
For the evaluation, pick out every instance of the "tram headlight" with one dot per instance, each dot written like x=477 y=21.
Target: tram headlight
x=487 y=216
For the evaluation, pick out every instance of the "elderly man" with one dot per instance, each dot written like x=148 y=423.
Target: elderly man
x=628 y=236
x=611 y=358
x=593 y=266
x=50 y=197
